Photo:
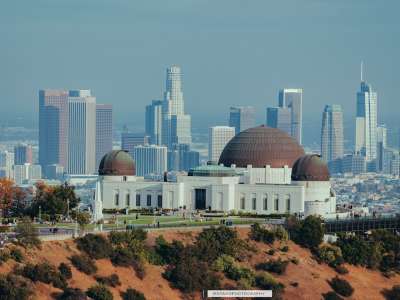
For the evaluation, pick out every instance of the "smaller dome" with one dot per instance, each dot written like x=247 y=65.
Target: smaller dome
x=117 y=163
x=310 y=168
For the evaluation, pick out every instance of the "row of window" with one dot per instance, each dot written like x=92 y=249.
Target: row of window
x=265 y=203
x=138 y=204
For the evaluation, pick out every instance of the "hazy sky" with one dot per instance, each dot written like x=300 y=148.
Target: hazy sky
x=231 y=52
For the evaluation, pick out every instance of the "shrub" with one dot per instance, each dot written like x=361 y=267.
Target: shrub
x=169 y=252
x=294 y=260
x=15 y=287
x=140 y=270
x=271 y=252
x=276 y=266
x=267 y=282
x=112 y=280
x=122 y=257
x=260 y=234
x=125 y=238
x=94 y=245
x=16 y=254
x=329 y=254
x=216 y=241
x=4 y=255
x=340 y=269
x=84 y=264
x=341 y=286
x=132 y=294
x=393 y=293
x=354 y=249
x=285 y=248
x=237 y=272
x=99 y=292
x=65 y=270
x=190 y=274
x=72 y=294
x=223 y=263
x=43 y=272
x=331 y=296
x=308 y=232
x=27 y=234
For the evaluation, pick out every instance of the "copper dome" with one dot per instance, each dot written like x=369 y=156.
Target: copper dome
x=261 y=146
x=310 y=168
x=117 y=163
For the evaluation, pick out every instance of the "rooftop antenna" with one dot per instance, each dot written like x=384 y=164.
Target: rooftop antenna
x=362 y=69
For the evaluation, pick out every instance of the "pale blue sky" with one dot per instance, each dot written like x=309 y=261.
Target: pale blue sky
x=231 y=52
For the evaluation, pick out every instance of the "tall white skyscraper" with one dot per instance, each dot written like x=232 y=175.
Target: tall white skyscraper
x=81 y=132
x=6 y=164
x=366 y=121
x=332 y=133
x=293 y=99
x=154 y=122
x=218 y=137
x=150 y=160
x=176 y=126
x=242 y=118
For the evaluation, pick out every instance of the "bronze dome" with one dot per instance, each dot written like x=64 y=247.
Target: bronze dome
x=117 y=163
x=310 y=168
x=261 y=146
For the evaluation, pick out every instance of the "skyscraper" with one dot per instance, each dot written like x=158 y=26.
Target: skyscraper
x=366 y=121
x=182 y=158
x=130 y=140
x=6 y=164
x=26 y=172
x=22 y=154
x=81 y=132
x=176 y=125
x=53 y=127
x=332 y=133
x=293 y=99
x=150 y=160
x=154 y=122
x=242 y=118
x=104 y=131
x=218 y=137
x=279 y=117
x=381 y=140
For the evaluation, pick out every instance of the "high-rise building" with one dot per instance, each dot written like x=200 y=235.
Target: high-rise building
x=366 y=121
x=218 y=137
x=381 y=141
x=332 y=133
x=81 y=132
x=182 y=158
x=22 y=154
x=293 y=99
x=53 y=127
x=26 y=172
x=150 y=160
x=176 y=125
x=279 y=117
x=242 y=118
x=154 y=122
x=104 y=131
x=6 y=164
x=354 y=163
x=130 y=140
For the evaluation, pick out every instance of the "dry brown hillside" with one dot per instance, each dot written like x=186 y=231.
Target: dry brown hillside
x=310 y=276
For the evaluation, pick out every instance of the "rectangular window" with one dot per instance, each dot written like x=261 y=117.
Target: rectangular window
x=159 y=201
x=127 y=200
x=254 y=202
x=148 y=200
x=265 y=202
x=276 y=202
x=242 y=202
x=288 y=203
x=116 y=199
x=137 y=200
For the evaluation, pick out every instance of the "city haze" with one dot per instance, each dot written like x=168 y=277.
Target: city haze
x=231 y=53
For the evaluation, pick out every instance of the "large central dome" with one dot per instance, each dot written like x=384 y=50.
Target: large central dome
x=117 y=163
x=259 y=147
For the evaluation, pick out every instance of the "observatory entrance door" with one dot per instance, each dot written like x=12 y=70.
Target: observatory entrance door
x=200 y=198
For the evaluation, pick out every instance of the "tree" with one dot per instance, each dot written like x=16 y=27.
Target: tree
x=6 y=194
x=393 y=293
x=27 y=234
x=83 y=219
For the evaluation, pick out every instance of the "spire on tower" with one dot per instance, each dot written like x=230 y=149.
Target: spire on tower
x=362 y=69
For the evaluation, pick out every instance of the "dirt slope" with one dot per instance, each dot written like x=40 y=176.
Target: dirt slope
x=310 y=276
